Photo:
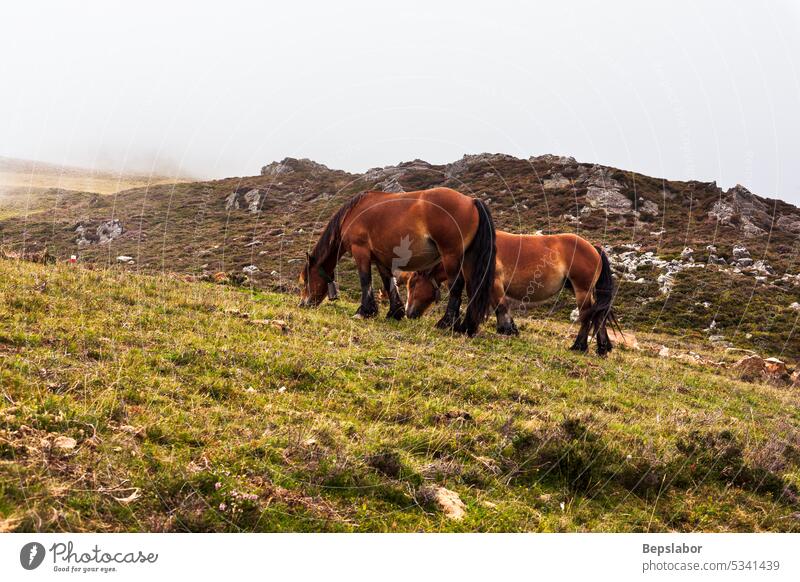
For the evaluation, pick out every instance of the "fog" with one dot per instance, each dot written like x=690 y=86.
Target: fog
x=683 y=90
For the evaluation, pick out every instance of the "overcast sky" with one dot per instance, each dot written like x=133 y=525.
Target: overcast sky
x=682 y=90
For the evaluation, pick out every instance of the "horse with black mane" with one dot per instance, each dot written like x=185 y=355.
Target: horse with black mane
x=408 y=231
x=531 y=269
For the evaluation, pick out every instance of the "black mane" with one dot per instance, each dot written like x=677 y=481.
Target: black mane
x=331 y=237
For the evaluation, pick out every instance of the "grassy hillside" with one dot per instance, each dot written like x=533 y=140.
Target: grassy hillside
x=200 y=228
x=143 y=403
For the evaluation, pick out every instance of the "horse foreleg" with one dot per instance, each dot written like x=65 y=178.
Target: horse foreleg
x=396 y=308
x=452 y=315
x=368 y=307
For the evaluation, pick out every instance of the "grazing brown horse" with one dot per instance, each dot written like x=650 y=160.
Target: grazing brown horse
x=530 y=269
x=408 y=231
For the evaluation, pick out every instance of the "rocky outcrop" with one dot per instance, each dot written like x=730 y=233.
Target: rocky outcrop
x=249 y=198
x=649 y=208
x=291 y=165
x=103 y=233
x=739 y=206
x=414 y=175
x=604 y=192
x=469 y=163
x=789 y=222
x=554 y=160
x=722 y=212
x=556 y=182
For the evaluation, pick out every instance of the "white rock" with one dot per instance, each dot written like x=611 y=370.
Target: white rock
x=64 y=443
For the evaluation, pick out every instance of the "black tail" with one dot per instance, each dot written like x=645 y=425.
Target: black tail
x=602 y=310
x=481 y=256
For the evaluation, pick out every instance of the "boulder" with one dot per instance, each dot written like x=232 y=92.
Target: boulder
x=649 y=207
x=556 y=182
x=790 y=223
x=291 y=165
x=754 y=368
x=722 y=212
x=104 y=233
x=626 y=339
x=250 y=198
x=775 y=367
x=610 y=200
x=740 y=252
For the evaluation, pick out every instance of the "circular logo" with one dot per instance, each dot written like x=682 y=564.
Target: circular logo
x=31 y=555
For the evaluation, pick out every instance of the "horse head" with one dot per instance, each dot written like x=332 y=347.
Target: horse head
x=423 y=291
x=316 y=283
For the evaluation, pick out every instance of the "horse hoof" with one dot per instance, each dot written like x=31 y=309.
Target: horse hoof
x=579 y=348
x=397 y=314
x=365 y=315
x=447 y=322
x=464 y=327
x=510 y=331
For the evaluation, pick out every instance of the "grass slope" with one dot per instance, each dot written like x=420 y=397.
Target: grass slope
x=209 y=408
x=190 y=228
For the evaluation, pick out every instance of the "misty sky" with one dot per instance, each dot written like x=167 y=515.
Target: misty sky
x=677 y=90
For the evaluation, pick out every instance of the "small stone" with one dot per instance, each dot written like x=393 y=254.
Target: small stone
x=444 y=500
x=663 y=352
x=64 y=443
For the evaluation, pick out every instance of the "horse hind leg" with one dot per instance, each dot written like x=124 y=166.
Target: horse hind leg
x=585 y=305
x=452 y=315
x=604 y=345
x=396 y=308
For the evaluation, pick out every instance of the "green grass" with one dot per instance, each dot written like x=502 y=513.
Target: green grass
x=193 y=410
